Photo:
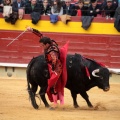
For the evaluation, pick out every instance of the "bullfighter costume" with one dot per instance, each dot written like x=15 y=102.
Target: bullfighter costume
x=56 y=60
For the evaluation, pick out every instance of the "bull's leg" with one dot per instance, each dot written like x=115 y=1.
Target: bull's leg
x=74 y=96
x=86 y=97
x=32 y=92
x=42 y=95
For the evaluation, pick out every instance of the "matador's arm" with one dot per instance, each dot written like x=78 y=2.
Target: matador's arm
x=36 y=32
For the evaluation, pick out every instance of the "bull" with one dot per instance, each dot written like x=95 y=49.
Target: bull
x=78 y=81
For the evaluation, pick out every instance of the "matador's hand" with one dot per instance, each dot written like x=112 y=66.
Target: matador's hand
x=29 y=28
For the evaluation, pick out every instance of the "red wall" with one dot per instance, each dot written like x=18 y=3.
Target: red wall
x=103 y=48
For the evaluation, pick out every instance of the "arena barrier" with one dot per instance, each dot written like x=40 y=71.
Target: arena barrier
x=101 y=41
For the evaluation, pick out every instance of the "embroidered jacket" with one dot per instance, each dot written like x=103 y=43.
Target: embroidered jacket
x=52 y=55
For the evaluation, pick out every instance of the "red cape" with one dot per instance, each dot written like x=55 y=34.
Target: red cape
x=63 y=77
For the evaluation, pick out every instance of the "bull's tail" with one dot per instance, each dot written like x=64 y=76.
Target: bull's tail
x=30 y=92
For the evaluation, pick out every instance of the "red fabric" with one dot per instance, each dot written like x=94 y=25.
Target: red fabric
x=101 y=64
x=87 y=71
x=55 y=79
x=79 y=13
x=63 y=56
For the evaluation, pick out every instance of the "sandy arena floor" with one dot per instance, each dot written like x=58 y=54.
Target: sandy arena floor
x=15 y=104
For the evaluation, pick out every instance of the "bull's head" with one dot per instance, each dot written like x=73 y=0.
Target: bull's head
x=102 y=77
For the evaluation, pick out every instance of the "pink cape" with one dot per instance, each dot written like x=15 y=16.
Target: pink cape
x=63 y=78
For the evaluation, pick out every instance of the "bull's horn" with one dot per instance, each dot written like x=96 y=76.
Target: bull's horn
x=94 y=72
x=114 y=72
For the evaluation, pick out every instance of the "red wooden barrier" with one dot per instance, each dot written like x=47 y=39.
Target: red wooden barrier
x=103 y=48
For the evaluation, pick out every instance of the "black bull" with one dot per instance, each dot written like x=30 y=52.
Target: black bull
x=77 y=82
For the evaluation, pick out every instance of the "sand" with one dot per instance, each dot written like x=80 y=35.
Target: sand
x=15 y=104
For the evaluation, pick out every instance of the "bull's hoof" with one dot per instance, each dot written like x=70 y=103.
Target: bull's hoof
x=36 y=106
x=47 y=106
x=90 y=106
x=76 y=106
